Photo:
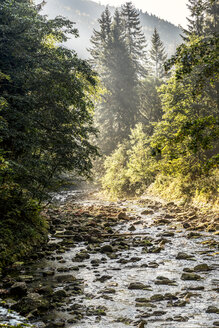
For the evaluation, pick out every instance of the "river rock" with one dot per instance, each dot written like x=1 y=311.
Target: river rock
x=32 y=302
x=212 y=309
x=106 y=249
x=65 y=278
x=160 y=280
x=138 y=285
x=56 y=324
x=202 y=268
x=123 y=216
x=59 y=294
x=157 y=298
x=132 y=228
x=183 y=256
x=104 y=278
x=190 y=276
x=48 y=273
x=147 y=212
x=19 y=289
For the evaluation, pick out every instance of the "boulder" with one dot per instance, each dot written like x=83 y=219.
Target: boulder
x=19 y=289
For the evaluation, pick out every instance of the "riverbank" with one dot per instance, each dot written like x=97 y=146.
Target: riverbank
x=118 y=264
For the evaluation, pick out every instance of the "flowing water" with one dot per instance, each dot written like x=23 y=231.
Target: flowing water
x=163 y=301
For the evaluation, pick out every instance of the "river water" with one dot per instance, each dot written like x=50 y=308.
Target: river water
x=163 y=300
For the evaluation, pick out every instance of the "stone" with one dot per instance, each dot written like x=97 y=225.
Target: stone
x=30 y=303
x=65 y=278
x=158 y=313
x=147 y=212
x=26 y=278
x=123 y=216
x=193 y=234
x=183 y=256
x=157 y=298
x=59 y=294
x=212 y=309
x=48 y=273
x=106 y=249
x=19 y=289
x=104 y=278
x=132 y=228
x=138 y=285
x=202 y=268
x=164 y=281
x=190 y=276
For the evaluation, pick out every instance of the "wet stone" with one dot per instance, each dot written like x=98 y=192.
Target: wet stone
x=138 y=285
x=202 y=268
x=184 y=256
x=19 y=289
x=212 y=309
x=65 y=278
x=160 y=280
x=106 y=249
x=190 y=276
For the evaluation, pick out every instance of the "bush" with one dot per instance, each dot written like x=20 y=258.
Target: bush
x=21 y=226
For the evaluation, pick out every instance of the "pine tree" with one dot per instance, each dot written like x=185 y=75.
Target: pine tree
x=100 y=41
x=116 y=113
x=157 y=55
x=135 y=38
x=212 y=17
x=196 y=21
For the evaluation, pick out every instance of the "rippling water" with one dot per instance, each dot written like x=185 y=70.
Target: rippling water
x=145 y=268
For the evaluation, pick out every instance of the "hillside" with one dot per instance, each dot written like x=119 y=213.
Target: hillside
x=85 y=14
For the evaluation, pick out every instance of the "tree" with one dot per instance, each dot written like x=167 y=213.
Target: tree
x=118 y=110
x=101 y=41
x=48 y=112
x=135 y=38
x=157 y=55
x=196 y=22
x=212 y=17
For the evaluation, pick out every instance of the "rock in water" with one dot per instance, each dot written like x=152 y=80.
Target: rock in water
x=19 y=289
x=123 y=216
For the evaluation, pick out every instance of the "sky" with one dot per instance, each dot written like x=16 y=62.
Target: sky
x=175 y=11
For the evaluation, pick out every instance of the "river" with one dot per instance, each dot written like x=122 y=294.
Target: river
x=119 y=264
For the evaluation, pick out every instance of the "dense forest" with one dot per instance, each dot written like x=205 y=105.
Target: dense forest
x=85 y=14
x=46 y=119
x=169 y=109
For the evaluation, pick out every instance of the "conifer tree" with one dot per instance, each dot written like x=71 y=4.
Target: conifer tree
x=196 y=20
x=135 y=38
x=212 y=17
x=157 y=55
x=100 y=41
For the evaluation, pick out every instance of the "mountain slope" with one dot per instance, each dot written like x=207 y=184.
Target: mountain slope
x=85 y=14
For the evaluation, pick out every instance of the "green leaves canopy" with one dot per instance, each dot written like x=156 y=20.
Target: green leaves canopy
x=47 y=109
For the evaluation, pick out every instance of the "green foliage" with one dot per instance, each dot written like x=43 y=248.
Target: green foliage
x=180 y=157
x=157 y=55
x=46 y=120
x=47 y=110
x=21 y=226
x=115 y=180
x=118 y=54
x=130 y=168
x=150 y=106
